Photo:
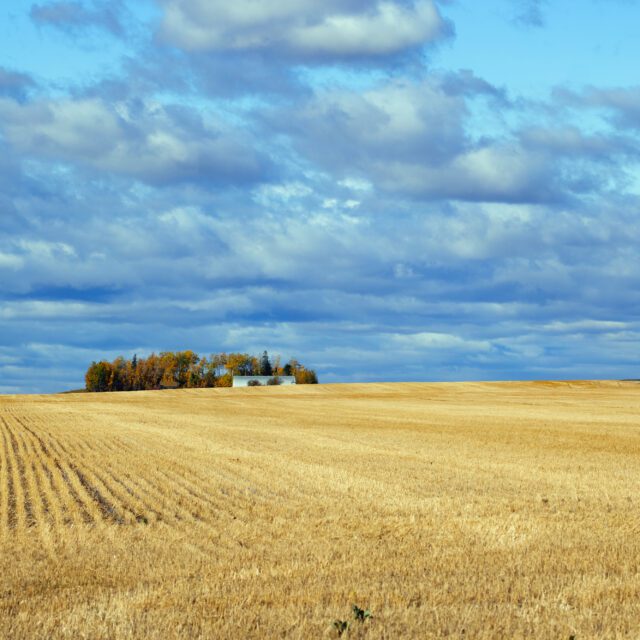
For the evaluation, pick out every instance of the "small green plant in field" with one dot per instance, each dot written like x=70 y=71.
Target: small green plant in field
x=341 y=626
x=359 y=614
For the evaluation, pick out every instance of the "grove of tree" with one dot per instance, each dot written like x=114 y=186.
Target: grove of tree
x=186 y=369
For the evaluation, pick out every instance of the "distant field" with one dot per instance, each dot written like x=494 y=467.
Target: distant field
x=462 y=510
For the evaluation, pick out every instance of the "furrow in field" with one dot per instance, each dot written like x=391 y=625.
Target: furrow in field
x=214 y=495
x=180 y=504
x=100 y=452
x=173 y=499
x=164 y=487
x=60 y=499
x=96 y=461
x=185 y=494
x=32 y=430
x=113 y=490
x=8 y=496
x=72 y=490
x=221 y=501
x=61 y=449
x=122 y=445
x=47 y=500
x=101 y=459
x=45 y=508
x=179 y=496
x=83 y=500
x=39 y=504
x=155 y=491
x=92 y=504
x=163 y=505
x=17 y=444
x=63 y=497
x=224 y=492
x=111 y=502
x=142 y=507
x=174 y=513
x=94 y=465
x=237 y=484
x=254 y=481
x=41 y=500
x=107 y=509
x=51 y=444
x=22 y=513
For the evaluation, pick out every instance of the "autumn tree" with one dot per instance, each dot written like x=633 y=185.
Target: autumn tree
x=151 y=372
x=300 y=372
x=208 y=373
x=218 y=362
x=306 y=376
x=225 y=380
x=117 y=380
x=186 y=369
x=98 y=376
x=240 y=364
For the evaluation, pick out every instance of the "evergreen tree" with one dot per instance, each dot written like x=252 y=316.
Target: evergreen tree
x=265 y=365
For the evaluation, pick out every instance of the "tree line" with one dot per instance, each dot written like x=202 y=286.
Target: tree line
x=187 y=370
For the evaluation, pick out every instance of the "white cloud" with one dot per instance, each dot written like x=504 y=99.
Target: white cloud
x=411 y=138
x=154 y=143
x=390 y=28
x=11 y=261
x=440 y=341
x=586 y=325
x=46 y=309
x=334 y=28
x=494 y=173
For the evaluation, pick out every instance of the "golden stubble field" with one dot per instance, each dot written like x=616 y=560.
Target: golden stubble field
x=450 y=510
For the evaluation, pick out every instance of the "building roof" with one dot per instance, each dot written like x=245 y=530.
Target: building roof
x=263 y=377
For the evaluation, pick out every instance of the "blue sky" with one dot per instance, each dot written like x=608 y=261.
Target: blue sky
x=384 y=189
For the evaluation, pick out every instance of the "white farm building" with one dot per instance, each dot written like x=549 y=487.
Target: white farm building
x=243 y=381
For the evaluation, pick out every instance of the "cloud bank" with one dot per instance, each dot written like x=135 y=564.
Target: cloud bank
x=298 y=177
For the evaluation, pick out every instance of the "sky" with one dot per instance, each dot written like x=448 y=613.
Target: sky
x=392 y=190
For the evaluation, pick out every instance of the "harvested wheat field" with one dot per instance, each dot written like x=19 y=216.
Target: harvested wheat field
x=449 y=510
